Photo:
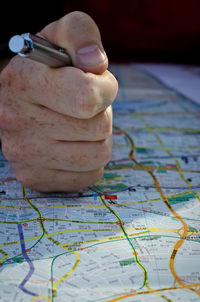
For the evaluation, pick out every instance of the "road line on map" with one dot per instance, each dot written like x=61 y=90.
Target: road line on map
x=110 y=240
x=180 y=242
x=66 y=231
x=170 y=148
x=39 y=216
x=44 y=232
x=28 y=260
x=149 y=129
x=102 y=241
x=105 y=240
x=35 y=299
x=114 y=230
x=180 y=170
x=170 y=129
x=55 y=284
x=14 y=222
x=150 y=167
x=5 y=255
x=60 y=280
x=79 y=221
x=156 y=183
x=72 y=243
x=99 y=206
x=85 y=205
x=150 y=292
x=145 y=280
x=61 y=232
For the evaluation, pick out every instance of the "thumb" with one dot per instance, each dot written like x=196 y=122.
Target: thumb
x=80 y=36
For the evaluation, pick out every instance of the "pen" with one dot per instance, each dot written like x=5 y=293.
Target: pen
x=39 y=49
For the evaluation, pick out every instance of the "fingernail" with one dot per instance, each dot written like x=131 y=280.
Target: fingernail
x=90 y=55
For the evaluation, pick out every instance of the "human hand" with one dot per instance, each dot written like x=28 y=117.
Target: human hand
x=56 y=124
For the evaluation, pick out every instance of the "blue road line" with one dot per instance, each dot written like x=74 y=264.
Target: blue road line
x=26 y=257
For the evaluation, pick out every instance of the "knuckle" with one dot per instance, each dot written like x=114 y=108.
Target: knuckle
x=86 y=108
x=104 y=123
x=115 y=86
x=98 y=174
x=110 y=90
x=104 y=152
x=87 y=101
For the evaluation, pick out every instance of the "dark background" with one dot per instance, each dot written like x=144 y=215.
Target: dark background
x=19 y=17
x=132 y=30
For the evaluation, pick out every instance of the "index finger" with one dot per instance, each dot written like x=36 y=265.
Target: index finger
x=66 y=90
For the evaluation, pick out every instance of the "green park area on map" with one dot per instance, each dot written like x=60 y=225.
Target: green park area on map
x=134 y=235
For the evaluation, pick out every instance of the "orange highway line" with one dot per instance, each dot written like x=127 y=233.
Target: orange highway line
x=151 y=291
x=131 y=156
x=185 y=227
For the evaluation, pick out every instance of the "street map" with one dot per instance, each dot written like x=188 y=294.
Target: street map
x=133 y=236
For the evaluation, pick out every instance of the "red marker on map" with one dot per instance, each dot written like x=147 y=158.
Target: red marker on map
x=40 y=219
x=120 y=222
x=110 y=196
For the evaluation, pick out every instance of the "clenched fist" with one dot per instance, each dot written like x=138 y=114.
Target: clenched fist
x=56 y=124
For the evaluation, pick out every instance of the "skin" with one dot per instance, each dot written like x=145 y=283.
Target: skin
x=56 y=124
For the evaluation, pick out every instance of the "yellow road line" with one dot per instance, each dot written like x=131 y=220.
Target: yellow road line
x=96 y=240
x=47 y=235
x=5 y=255
x=38 y=299
x=95 y=206
x=56 y=283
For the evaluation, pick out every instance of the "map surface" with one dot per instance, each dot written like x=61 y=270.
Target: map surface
x=133 y=236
